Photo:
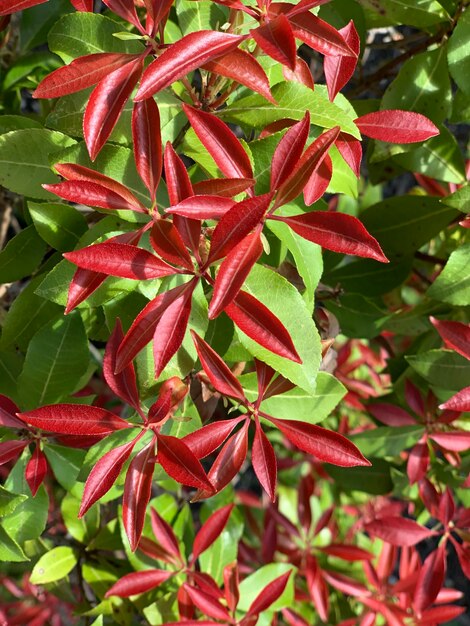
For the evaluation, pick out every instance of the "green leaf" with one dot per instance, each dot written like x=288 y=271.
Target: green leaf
x=253 y=584
x=453 y=283
x=375 y=479
x=358 y=317
x=25 y=70
x=54 y=565
x=422 y=85
x=297 y=404
x=195 y=16
x=284 y=301
x=439 y=158
x=85 y=528
x=78 y=34
x=37 y=21
x=460 y=199
x=419 y=13
x=65 y=463
x=387 y=441
x=9 y=501
x=60 y=225
x=368 y=277
x=17 y=122
x=11 y=364
x=24 y=160
x=21 y=256
x=27 y=314
x=293 y=100
x=262 y=151
x=307 y=256
x=9 y=548
x=443 y=368
x=56 y=359
x=403 y=224
x=459 y=52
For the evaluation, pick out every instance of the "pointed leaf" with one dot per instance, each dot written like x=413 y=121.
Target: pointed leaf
x=168 y=243
x=9 y=450
x=120 y=259
x=289 y=151
x=459 y=402
x=139 y=582
x=126 y=10
x=350 y=149
x=93 y=194
x=210 y=530
x=36 y=470
x=455 y=335
x=203 y=207
x=319 y=181
x=277 y=40
x=217 y=371
x=269 y=595
x=325 y=444
x=207 y=439
x=147 y=142
x=74 y=419
x=8 y=411
x=453 y=440
x=10 y=6
x=82 y=72
x=137 y=490
x=398 y=531
x=339 y=69
x=264 y=462
x=104 y=474
x=123 y=384
x=391 y=415
x=336 y=231
x=430 y=579
x=223 y=187
x=206 y=603
x=221 y=143
x=184 y=56
x=396 y=126
x=301 y=73
x=180 y=463
x=106 y=103
x=83 y=5
x=164 y=534
x=319 y=35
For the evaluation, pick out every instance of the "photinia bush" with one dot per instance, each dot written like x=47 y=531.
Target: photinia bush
x=235 y=338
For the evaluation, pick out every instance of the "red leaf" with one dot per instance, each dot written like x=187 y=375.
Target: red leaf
x=325 y=444
x=164 y=535
x=145 y=324
x=396 y=126
x=120 y=259
x=446 y=510
x=184 y=56
x=264 y=462
x=223 y=187
x=123 y=384
x=207 y=604
x=231 y=586
x=414 y=399
x=339 y=69
x=217 y=371
x=301 y=74
x=83 y=5
x=277 y=40
x=452 y=440
x=264 y=375
x=430 y=579
x=171 y=328
x=391 y=415
x=319 y=35
x=418 y=462
x=210 y=530
x=81 y=73
x=350 y=149
x=336 y=231
x=106 y=103
x=345 y=584
x=205 y=440
x=309 y=162
x=126 y=10
x=203 y=207
x=304 y=5
x=104 y=474
x=74 y=172
x=180 y=463
x=93 y=194
x=347 y=553
x=139 y=582
x=398 y=531
x=233 y=272
x=36 y=470
x=236 y=224
x=455 y=335
x=147 y=142
x=269 y=595
x=168 y=243
x=289 y=151
x=228 y=462
x=257 y=321
x=8 y=411
x=318 y=182
x=441 y=615
x=10 y=6
x=243 y=68
x=74 y=419
x=221 y=143
x=459 y=402
x=137 y=489
x=317 y=588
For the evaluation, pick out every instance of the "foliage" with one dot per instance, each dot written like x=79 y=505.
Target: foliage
x=193 y=428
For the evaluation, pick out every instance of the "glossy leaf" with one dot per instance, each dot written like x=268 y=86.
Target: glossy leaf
x=93 y=194
x=180 y=463
x=455 y=335
x=74 y=419
x=277 y=40
x=430 y=579
x=207 y=439
x=10 y=6
x=210 y=530
x=203 y=207
x=168 y=243
x=164 y=534
x=139 y=582
x=146 y=136
x=398 y=531
x=123 y=384
x=264 y=462
x=269 y=595
x=396 y=126
x=36 y=470
x=289 y=151
x=459 y=402
x=339 y=69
